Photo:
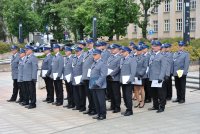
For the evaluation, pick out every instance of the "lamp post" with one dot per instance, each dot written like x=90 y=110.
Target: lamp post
x=20 y=32
x=186 y=21
x=94 y=28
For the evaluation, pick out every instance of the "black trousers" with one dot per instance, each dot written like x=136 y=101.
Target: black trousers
x=30 y=92
x=49 y=88
x=115 y=95
x=69 y=89
x=180 y=84
x=79 y=96
x=15 y=90
x=169 y=87
x=108 y=90
x=127 y=90
x=21 y=91
x=159 y=97
x=91 y=105
x=59 y=90
x=100 y=101
x=147 y=87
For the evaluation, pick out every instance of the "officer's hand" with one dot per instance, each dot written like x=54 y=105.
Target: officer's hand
x=109 y=77
x=159 y=81
x=58 y=78
x=128 y=82
x=166 y=77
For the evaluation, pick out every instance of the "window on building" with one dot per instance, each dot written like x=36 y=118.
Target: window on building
x=179 y=25
x=192 y=4
x=155 y=9
x=167 y=6
x=155 y=26
x=179 y=5
x=192 y=24
x=135 y=28
x=166 y=25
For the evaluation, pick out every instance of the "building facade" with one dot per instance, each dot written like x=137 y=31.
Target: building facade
x=166 y=21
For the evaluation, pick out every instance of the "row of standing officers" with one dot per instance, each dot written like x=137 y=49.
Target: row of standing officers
x=101 y=73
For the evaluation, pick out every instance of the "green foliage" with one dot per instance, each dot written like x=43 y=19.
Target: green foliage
x=4 y=47
x=20 y=10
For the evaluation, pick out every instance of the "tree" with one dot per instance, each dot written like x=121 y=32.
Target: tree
x=16 y=11
x=2 y=25
x=146 y=7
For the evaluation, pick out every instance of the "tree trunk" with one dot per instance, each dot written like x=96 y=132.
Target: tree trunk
x=144 y=25
x=117 y=36
x=110 y=38
x=81 y=32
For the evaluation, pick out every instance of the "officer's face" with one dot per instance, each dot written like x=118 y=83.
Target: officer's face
x=99 y=47
x=156 y=48
x=14 y=51
x=168 y=49
x=96 y=56
x=163 y=49
x=181 y=48
x=78 y=53
x=68 y=53
x=22 y=55
x=81 y=46
x=139 y=52
x=145 y=50
x=56 y=50
x=115 y=51
x=90 y=45
x=29 y=51
x=124 y=53
x=46 y=52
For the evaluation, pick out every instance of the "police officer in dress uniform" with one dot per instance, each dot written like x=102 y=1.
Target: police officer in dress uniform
x=140 y=73
x=167 y=84
x=30 y=77
x=87 y=63
x=46 y=66
x=113 y=78
x=147 y=84
x=68 y=77
x=78 y=88
x=57 y=74
x=97 y=84
x=21 y=85
x=132 y=46
x=181 y=62
x=105 y=54
x=14 y=67
x=128 y=66
x=157 y=71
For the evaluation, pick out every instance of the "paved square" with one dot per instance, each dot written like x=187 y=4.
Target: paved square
x=47 y=119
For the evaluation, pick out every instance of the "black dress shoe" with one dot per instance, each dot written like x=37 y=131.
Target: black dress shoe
x=24 y=104
x=75 y=108
x=153 y=108
x=92 y=113
x=160 y=110
x=54 y=103
x=87 y=112
x=147 y=101
x=50 y=101
x=45 y=101
x=95 y=117
x=116 y=111
x=128 y=113
x=176 y=100
x=70 y=106
x=19 y=101
x=101 y=118
x=30 y=106
x=82 y=109
x=10 y=100
x=66 y=106
x=110 y=109
x=59 y=104
x=181 y=101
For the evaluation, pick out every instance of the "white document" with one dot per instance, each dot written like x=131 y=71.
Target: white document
x=156 y=84
x=44 y=72
x=137 y=82
x=55 y=75
x=125 y=79
x=89 y=73
x=68 y=77
x=109 y=71
x=78 y=79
